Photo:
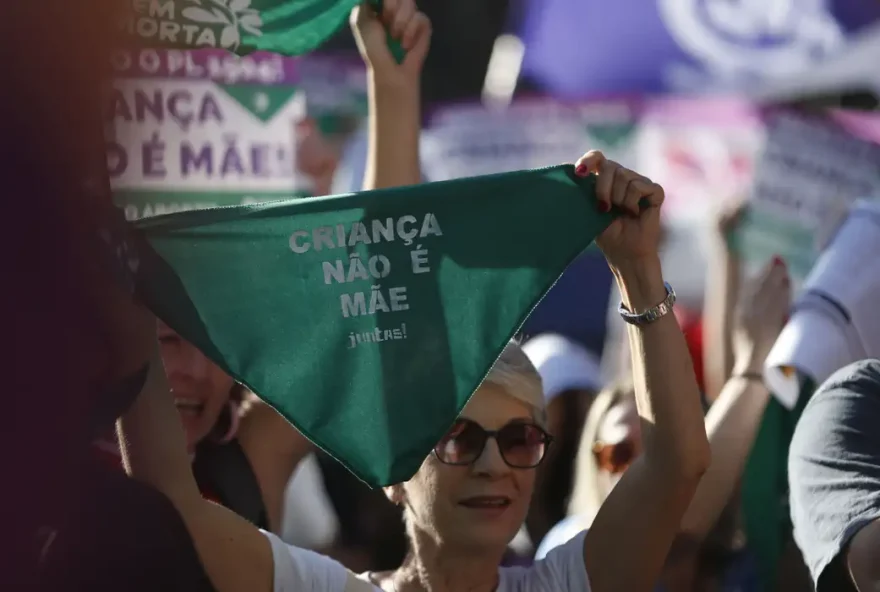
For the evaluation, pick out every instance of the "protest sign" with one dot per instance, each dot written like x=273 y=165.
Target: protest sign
x=368 y=320
x=810 y=172
x=701 y=151
x=335 y=87
x=467 y=140
x=287 y=27
x=197 y=129
x=838 y=303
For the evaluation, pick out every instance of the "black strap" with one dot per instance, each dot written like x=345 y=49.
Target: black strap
x=224 y=470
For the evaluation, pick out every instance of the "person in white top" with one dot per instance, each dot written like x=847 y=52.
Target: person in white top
x=471 y=494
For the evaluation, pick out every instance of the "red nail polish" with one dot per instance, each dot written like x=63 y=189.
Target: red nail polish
x=603 y=206
x=777 y=260
x=581 y=170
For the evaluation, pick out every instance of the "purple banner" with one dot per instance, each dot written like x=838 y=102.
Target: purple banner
x=587 y=48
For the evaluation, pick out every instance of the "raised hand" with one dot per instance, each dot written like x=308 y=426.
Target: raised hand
x=760 y=317
x=403 y=21
x=729 y=217
x=634 y=236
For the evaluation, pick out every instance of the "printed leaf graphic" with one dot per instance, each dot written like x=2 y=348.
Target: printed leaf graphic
x=224 y=18
x=200 y=15
x=229 y=37
x=239 y=5
x=251 y=23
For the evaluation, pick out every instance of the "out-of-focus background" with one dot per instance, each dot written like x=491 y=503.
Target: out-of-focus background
x=769 y=101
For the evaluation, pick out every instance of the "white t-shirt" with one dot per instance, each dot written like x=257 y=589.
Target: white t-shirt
x=308 y=519
x=299 y=570
x=565 y=530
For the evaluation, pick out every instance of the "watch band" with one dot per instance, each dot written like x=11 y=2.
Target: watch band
x=652 y=314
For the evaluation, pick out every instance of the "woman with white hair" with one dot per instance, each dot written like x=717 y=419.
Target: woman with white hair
x=472 y=492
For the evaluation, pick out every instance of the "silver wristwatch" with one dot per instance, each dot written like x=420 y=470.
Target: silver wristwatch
x=653 y=313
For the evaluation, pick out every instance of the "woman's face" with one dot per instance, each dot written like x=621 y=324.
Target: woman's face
x=480 y=506
x=200 y=388
x=618 y=443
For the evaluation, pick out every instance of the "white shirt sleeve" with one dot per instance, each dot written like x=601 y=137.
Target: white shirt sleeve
x=309 y=519
x=300 y=570
x=564 y=531
x=562 y=570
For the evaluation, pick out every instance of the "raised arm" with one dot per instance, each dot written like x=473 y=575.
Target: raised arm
x=732 y=422
x=234 y=554
x=393 y=90
x=274 y=449
x=721 y=294
x=627 y=544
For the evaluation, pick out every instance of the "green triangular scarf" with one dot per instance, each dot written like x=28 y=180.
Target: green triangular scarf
x=287 y=27
x=368 y=320
x=766 y=513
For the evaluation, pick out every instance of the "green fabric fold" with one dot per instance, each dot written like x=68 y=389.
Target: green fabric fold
x=368 y=320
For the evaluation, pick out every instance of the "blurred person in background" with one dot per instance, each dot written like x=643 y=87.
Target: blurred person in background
x=371 y=535
x=243 y=452
x=570 y=375
x=320 y=143
x=612 y=441
x=741 y=520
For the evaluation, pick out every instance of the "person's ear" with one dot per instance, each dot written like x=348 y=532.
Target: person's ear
x=394 y=493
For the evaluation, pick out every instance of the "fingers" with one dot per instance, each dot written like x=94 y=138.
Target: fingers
x=774 y=289
x=618 y=186
x=389 y=9
x=397 y=19
x=731 y=214
x=589 y=163
x=416 y=36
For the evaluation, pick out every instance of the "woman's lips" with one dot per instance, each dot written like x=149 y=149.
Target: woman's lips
x=491 y=506
x=189 y=405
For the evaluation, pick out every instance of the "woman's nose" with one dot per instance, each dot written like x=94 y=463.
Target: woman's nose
x=490 y=462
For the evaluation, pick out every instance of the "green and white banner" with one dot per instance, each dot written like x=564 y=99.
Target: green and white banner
x=204 y=128
x=810 y=172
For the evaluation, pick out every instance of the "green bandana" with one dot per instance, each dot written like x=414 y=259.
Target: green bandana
x=368 y=320
x=288 y=27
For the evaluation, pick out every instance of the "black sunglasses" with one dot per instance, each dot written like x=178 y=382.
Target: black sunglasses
x=522 y=445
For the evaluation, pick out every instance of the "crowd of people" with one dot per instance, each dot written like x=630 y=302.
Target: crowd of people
x=552 y=478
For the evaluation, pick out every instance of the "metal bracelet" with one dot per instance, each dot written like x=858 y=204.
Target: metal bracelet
x=652 y=314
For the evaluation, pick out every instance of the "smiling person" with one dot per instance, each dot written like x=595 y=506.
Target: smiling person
x=243 y=453
x=472 y=493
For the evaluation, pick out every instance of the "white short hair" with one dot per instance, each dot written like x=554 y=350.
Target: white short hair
x=515 y=374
